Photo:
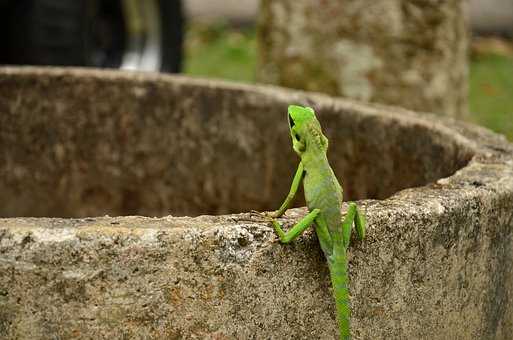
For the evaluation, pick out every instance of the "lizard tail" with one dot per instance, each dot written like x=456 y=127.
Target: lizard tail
x=339 y=280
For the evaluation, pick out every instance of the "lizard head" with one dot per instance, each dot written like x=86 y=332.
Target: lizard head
x=305 y=130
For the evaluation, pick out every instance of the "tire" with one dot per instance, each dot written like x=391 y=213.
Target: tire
x=172 y=17
x=94 y=33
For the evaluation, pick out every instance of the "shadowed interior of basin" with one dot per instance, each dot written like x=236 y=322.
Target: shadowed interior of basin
x=80 y=144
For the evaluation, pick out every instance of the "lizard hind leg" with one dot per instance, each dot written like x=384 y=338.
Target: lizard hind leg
x=360 y=224
x=353 y=216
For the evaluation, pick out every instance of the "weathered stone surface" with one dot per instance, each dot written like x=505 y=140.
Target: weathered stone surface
x=401 y=52
x=436 y=263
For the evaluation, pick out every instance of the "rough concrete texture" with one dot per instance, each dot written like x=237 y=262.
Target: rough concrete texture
x=436 y=263
x=402 y=52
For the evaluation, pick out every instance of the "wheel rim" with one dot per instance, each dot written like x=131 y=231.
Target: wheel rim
x=143 y=48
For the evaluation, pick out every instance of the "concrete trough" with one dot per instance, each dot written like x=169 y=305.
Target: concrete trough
x=78 y=146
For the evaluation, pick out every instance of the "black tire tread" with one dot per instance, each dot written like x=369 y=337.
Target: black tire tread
x=53 y=32
x=46 y=32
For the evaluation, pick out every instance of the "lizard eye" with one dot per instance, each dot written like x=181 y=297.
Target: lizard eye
x=297 y=136
x=291 y=121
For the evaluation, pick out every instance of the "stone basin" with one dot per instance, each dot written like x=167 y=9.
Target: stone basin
x=78 y=146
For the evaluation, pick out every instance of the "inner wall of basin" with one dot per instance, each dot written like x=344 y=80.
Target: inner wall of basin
x=74 y=146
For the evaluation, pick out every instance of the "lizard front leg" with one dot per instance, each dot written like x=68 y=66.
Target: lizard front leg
x=298 y=229
x=293 y=190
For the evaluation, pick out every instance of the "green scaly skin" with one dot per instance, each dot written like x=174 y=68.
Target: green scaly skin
x=323 y=195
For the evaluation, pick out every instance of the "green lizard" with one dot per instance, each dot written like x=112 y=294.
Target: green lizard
x=323 y=195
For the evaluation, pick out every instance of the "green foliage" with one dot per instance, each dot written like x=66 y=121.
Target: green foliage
x=221 y=52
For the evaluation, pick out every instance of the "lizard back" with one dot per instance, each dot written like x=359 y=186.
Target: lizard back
x=323 y=191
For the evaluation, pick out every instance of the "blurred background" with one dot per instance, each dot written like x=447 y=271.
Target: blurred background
x=218 y=38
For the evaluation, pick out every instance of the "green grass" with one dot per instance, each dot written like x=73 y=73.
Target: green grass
x=491 y=93
x=220 y=52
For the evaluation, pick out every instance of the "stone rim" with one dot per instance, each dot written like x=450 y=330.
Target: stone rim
x=484 y=149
